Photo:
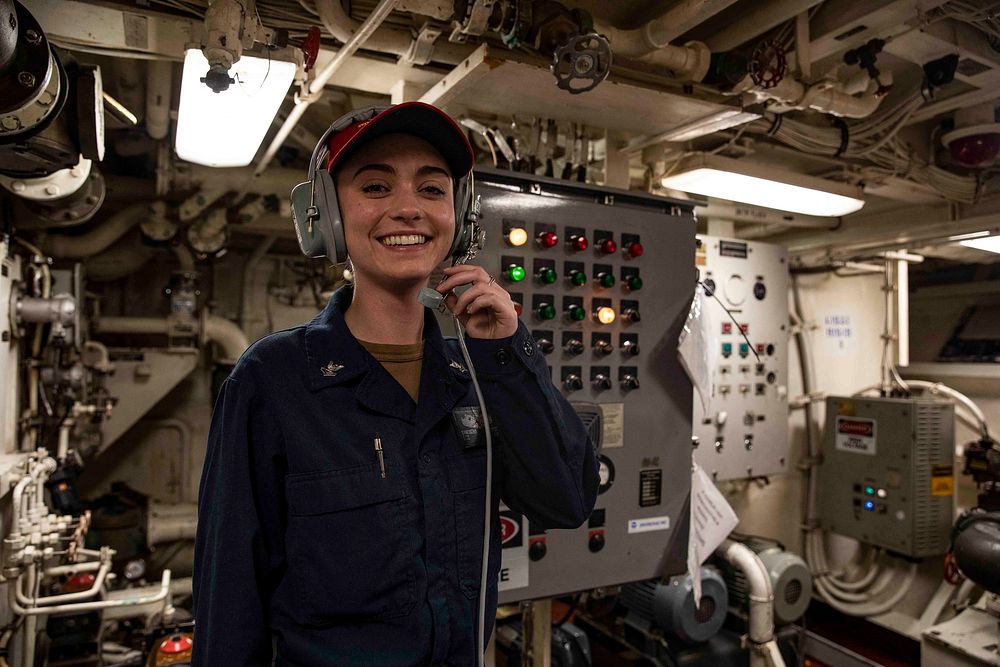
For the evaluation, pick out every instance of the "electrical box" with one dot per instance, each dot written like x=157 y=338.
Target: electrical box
x=604 y=282
x=887 y=476
x=744 y=431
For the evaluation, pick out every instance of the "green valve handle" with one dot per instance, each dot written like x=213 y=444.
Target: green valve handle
x=515 y=273
x=634 y=283
x=576 y=313
x=577 y=278
x=548 y=275
x=606 y=280
x=546 y=311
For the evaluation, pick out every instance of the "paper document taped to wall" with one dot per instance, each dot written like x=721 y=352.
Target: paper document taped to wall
x=712 y=519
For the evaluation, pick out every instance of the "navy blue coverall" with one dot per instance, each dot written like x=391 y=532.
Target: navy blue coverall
x=302 y=542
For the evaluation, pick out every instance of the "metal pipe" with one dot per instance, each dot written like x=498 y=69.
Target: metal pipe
x=65 y=428
x=316 y=86
x=50 y=600
x=228 y=336
x=169 y=522
x=97 y=241
x=660 y=31
x=248 y=269
x=60 y=309
x=159 y=86
x=761 y=600
x=77 y=607
x=757 y=21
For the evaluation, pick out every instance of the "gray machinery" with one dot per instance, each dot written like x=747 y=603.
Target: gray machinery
x=791 y=581
x=603 y=280
x=745 y=431
x=887 y=475
x=671 y=606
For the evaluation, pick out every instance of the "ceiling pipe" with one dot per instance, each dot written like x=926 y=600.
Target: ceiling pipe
x=98 y=240
x=389 y=40
x=832 y=97
x=659 y=32
x=159 y=88
x=315 y=88
x=756 y=22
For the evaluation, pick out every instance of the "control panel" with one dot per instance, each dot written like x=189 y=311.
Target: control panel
x=602 y=279
x=744 y=431
x=887 y=476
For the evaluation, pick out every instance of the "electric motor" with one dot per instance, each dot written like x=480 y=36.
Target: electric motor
x=671 y=606
x=791 y=581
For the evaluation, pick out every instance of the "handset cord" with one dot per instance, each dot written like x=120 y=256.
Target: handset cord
x=488 y=510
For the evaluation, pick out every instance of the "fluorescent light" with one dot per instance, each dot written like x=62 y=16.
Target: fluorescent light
x=225 y=129
x=989 y=244
x=739 y=180
x=970 y=235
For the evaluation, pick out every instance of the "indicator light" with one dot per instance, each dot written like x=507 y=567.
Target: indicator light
x=547 y=275
x=633 y=283
x=744 y=349
x=515 y=273
x=517 y=236
x=518 y=308
x=869 y=505
x=547 y=239
x=608 y=246
x=605 y=315
x=760 y=348
x=576 y=313
x=546 y=311
x=869 y=490
x=881 y=493
x=606 y=280
x=745 y=328
x=577 y=278
x=578 y=243
x=727 y=327
x=634 y=249
x=727 y=349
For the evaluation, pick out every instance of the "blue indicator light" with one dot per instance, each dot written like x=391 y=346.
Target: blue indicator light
x=869 y=505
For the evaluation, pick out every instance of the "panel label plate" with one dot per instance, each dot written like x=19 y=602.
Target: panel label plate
x=614 y=425
x=648 y=524
x=856 y=434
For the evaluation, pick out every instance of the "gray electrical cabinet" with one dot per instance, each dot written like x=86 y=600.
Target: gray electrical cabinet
x=744 y=430
x=887 y=475
x=604 y=280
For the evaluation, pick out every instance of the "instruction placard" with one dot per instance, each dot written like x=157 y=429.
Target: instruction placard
x=712 y=519
x=856 y=435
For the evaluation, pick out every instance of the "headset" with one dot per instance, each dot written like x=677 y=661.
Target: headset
x=319 y=226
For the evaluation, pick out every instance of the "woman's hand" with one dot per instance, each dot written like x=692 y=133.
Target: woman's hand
x=485 y=309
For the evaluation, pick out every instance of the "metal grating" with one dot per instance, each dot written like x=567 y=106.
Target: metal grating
x=928 y=442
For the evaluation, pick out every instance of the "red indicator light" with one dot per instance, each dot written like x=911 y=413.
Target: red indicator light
x=608 y=246
x=518 y=308
x=745 y=328
x=548 y=239
x=727 y=327
x=760 y=348
x=579 y=243
x=634 y=249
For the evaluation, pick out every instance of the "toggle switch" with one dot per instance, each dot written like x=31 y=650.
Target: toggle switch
x=573 y=346
x=573 y=382
x=601 y=382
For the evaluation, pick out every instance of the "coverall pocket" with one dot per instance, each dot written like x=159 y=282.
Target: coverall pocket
x=467 y=482
x=345 y=546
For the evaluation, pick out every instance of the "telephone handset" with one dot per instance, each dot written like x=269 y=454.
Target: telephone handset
x=430 y=297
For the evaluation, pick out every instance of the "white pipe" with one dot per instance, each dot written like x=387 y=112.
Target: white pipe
x=686 y=63
x=159 y=88
x=60 y=570
x=92 y=243
x=248 y=269
x=363 y=32
x=228 y=336
x=64 y=431
x=50 y=600
x=659 y=32
x=171 y=522
x=77 y=607
x=760 y=596
x=826 y=96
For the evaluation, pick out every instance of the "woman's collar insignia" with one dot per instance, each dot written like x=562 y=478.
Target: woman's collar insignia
x=457 y=366
x=331 y=369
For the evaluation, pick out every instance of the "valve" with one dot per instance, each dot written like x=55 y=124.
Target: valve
x=582 y=62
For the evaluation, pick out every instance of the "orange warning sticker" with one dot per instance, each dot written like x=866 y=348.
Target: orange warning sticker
x=942 y=481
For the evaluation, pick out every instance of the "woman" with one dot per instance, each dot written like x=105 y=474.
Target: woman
x=341 y=505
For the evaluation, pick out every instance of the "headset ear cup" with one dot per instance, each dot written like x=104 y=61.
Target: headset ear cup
x=331 y=222
x=306 y=221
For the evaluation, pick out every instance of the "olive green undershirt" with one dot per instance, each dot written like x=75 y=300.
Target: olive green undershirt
x=402 y=361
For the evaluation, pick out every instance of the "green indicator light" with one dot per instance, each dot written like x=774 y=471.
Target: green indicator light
x=515 y=273
x=634 y=283
x=606 y=280
x=869 y=491
x=548 y=275
x=577 y=313
x=577 y=278
x=546 y=311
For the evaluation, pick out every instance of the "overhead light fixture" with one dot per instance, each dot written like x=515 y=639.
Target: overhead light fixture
x=987 y=243
x=225 y=129
x=742 y=181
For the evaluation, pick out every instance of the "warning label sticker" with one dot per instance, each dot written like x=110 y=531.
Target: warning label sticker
x=942 y=480
x=514 y=552
x=856 y=434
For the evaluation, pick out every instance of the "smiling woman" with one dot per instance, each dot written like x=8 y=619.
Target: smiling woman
x=342 y=501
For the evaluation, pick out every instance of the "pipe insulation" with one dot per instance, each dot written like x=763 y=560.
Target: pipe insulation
x=227 y=335
x=98 y=240
x=159 y=87
x=659 y=32
x=761 y=601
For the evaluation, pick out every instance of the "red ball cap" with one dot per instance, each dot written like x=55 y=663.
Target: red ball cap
x=422 y=120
